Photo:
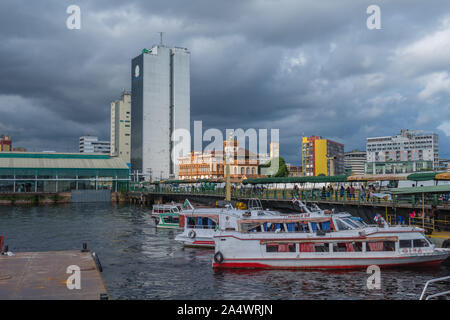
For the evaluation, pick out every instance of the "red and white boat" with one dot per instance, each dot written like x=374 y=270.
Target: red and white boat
x=320 y=240
x=200 y=224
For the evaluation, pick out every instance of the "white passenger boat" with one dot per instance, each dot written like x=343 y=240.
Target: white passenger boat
x=200 y=224
x=320 y=240
x=166 y=215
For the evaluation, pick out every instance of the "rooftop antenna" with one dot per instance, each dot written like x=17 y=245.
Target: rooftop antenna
x=161 y=38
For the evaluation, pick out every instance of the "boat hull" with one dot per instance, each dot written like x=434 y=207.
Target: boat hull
x=197 y=242
x=335 y=263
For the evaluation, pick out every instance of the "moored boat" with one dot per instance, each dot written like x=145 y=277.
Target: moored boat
x=200 y=224
x=318 y=240
x=166 y=215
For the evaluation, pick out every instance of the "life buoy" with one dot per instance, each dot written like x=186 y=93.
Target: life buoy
x=191 y=234
x=218 y=257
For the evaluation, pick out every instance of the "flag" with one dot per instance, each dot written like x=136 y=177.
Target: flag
x=293 y=200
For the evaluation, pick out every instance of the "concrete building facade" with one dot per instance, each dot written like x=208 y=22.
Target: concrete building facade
x=91 y=144
x=322 y=156
x=409 y=151
x=5 y=143
x=160 y=105
x=354 y=162
x=211 y=164
x=121 y=128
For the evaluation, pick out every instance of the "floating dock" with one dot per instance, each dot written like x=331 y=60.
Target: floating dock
x=43 y=276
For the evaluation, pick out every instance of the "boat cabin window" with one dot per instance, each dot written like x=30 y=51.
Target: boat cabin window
x=201 y=223
x=282 y=227
x=380 y=246
x=170 y=219
x=347 y=247
x=314 y=247
x=306 y=247
x=420 y=243
x=280 y=247
x=251 y=227
x=405 y=244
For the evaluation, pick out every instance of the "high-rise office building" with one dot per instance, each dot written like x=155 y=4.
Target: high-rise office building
x=121 y=128
x=322 y=156
x=354 y=162
x=91 y=144
x=160 y=104
x=409 y=151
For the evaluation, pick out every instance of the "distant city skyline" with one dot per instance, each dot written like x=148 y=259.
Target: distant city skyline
x=305 y=68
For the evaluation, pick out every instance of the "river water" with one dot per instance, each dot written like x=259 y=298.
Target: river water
x=141 y=262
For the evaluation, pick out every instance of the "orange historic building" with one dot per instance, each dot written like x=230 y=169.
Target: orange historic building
x=211 y=164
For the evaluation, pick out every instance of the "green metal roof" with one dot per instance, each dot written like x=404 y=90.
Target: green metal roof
x=53 y=155
x=429 y=189
x=60 y=161
x=422 y=176
x=314 y=179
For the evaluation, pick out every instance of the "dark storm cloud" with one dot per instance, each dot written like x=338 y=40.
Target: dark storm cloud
x=305 y=67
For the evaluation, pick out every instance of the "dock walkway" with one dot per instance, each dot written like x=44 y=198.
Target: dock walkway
x=42 y=276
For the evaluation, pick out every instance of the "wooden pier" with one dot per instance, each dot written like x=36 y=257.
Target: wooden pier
x=43 y=276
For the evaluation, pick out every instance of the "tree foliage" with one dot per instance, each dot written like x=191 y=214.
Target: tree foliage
x=274 y=170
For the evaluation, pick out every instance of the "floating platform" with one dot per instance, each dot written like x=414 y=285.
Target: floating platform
x=42 y=276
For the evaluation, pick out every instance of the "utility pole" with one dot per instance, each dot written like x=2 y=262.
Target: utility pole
x=227 y=172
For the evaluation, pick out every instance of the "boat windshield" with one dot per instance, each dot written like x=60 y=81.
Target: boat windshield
x=346 y=224
x=358 y=222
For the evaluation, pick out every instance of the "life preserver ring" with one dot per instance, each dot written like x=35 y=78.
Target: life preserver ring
x=191 y=234
x=218 y=257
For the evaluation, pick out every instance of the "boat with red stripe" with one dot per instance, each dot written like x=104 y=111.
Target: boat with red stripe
x=322 y=241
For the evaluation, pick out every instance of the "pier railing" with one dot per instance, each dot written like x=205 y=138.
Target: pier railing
x=315 y=195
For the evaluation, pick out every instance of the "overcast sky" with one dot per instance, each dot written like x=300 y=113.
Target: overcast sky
x=304 y=67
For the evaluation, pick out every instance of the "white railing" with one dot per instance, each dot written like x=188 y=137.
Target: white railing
x=436 y=294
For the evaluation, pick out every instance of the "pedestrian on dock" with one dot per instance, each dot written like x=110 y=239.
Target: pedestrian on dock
x=362 y=193
x=412 y=215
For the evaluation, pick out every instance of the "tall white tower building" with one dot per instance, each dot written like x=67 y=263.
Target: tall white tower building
x=121 y=127
x=160 y=104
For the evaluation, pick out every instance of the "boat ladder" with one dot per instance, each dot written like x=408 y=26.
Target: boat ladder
x=439 y=294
